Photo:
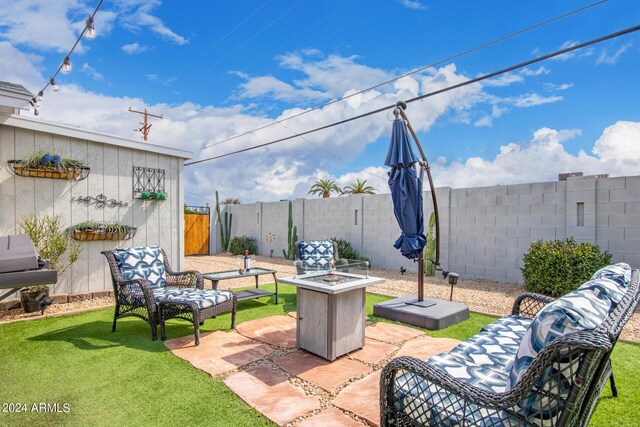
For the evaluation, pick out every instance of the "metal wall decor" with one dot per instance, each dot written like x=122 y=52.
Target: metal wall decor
x=148 y=183
x=100 y=201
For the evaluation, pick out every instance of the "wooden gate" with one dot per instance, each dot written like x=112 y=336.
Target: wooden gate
x=196 y=230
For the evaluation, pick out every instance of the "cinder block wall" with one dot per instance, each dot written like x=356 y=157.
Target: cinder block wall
x=484 y=230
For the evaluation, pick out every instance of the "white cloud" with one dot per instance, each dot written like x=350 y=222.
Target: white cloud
x=91 y=72
x=544 y=157
x=157 y=79
x=19 y=67
x=563 y=86
x=376 y=176
x=531 y=100
x=138 y=14
x=504 y=80
x=134 y=48
x=277 y=89
x=412 y=4
x=611 y=58
x=538 y=71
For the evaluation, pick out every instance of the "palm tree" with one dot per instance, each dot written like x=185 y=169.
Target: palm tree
x=324 y=187
x=358 y=187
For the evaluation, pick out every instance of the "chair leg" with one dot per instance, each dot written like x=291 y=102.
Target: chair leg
x=612 y=383
x=163 y=332
x=115 y=317
x=233 y=319
x=196 y=328
x=154 y=331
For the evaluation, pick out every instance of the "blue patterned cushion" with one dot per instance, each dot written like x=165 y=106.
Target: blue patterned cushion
x=204 y=298
x=619 y=273
x=483 y=377
x=580 y=310
x=142 y=263
x=605 y=289
x=316 y=254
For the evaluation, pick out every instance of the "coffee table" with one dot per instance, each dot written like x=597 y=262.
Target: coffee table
x=330 y=311
x=216 y=276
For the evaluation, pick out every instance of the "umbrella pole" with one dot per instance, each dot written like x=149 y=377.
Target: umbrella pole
x=400 y=107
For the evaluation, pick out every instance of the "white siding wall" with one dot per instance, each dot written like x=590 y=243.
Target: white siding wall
x=158 y=223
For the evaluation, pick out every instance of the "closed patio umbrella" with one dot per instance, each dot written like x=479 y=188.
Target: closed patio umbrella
x=406 y=192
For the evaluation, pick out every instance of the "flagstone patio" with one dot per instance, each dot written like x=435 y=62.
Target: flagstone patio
x=259 y=362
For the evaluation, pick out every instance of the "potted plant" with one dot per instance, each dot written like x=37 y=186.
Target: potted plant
x=42 y=164
x=100 y=230
x=52 y=243
x=160 y=195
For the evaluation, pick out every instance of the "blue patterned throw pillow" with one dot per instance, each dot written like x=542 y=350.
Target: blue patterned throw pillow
x=580 y=310
x=619 y=273
x=316 y=254
x=142 y=263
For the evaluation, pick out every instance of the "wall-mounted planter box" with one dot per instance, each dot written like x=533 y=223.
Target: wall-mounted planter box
x=148 y=183
x=101 y=231
x=67 y=173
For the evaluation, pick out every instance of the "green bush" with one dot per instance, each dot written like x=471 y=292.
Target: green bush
x=556 y=267
x=346 y=251
x=239 y=244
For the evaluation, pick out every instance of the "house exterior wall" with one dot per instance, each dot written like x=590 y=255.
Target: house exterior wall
x=157 y=222
x=484 y=231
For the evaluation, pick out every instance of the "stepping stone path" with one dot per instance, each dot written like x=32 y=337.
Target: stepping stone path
x=271 y=393
x=218 y=352
x=282 y=399
x=274 y=330
x=321 y=372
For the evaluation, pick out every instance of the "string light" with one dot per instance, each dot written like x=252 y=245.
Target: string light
x=89 y=32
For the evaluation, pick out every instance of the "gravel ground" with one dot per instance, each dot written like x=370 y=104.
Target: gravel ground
x=483 y=296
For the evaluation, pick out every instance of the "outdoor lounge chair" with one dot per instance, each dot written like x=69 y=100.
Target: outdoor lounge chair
x=317 y=255
x=142 y=280
x=544 y=365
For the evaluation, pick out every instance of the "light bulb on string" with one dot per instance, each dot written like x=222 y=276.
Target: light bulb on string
x=66 y=65
x=90 y=31
x=40 y=95
x=53 y=84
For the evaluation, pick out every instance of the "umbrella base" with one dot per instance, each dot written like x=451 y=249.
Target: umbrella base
x=438 y=314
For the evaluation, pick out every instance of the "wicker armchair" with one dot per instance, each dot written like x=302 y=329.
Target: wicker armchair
x=138 y=297
x=560 y=387
x=316 y=255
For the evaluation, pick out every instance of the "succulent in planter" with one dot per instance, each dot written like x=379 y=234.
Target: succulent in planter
x=44 y=164
x=160 y=195
x=100 y=230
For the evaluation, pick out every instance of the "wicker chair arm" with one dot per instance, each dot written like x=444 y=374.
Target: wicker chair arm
x=184 y=279
x=529 y=304
x=126 y=291
x=299 y=266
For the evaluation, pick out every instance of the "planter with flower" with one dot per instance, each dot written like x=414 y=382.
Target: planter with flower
x=42 y=164
x=99 y=230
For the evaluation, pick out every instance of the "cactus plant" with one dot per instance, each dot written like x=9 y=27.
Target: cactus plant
x=225 y=227
x=292 y=237
x=429 y=253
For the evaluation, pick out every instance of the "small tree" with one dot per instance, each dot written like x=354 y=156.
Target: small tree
x=358 y=187
x=51 y=241
x=324 y=188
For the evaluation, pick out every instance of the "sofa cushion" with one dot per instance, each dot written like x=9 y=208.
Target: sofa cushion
x=619 y=273
x=605 y=289
x=142 y=263
x=203 y=298
x=316 y=254
x=580 y=310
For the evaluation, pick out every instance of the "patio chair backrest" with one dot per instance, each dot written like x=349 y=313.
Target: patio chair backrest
x=145 y=262
x=317 y=254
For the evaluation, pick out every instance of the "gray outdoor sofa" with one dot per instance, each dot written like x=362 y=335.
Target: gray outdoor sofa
x=544 y=365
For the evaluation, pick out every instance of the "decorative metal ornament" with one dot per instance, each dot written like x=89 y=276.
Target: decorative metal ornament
x=100 y=201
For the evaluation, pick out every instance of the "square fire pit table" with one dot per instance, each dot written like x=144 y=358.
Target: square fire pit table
x=330 y=314
x=216 y=276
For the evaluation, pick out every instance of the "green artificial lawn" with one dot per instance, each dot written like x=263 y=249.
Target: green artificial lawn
x=124 y=378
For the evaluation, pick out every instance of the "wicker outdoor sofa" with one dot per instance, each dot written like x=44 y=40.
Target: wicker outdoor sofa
x=544 y=365
x=144 y=286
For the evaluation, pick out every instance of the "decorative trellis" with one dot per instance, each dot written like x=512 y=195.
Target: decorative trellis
x=148 y=183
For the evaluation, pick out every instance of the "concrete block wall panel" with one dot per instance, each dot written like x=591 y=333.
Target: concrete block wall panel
x=484 y=230
x=158 y=223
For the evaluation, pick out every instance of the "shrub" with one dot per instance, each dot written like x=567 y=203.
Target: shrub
x=346 y=251
x=556 y=267
x=239 y=244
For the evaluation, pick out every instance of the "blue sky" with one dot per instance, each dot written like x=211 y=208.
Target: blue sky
x=215 y=69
